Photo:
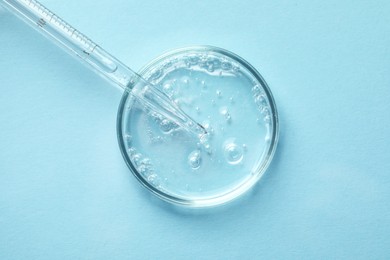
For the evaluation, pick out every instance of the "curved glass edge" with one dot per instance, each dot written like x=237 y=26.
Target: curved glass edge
x=233 y=194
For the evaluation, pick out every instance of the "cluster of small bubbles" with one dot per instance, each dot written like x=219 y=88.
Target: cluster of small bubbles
x=144 y=167
x=131 y=151
x=195 y=159
x=233 y=153
x=261 y=102
x=136 y=158
x=219 y=93
x=154 y=180
x=210 y=63
x=267 y=114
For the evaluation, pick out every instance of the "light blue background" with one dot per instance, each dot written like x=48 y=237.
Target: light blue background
x=66 y=193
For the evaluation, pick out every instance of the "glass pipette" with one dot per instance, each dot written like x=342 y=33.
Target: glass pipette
x=106 y=65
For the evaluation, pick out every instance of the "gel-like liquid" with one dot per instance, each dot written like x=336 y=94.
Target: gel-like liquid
x=231 y=105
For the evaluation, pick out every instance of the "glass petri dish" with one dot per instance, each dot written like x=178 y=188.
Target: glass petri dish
x=230 y=99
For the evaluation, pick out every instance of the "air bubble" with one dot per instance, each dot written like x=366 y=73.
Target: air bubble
x=167 y=88
x=256 y=89
x=219 y=93
x=208 y=127
x=128 y=138
x=156 y=74
x=136 y=158
x=166 y=126
x=226 y=65
x=225 y=113
x=131 y=151
x=203 y=83
x=153 y=179
x=194 y=159
x=233 y=153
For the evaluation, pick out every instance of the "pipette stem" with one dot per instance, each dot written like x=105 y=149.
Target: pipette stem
x=106 y=65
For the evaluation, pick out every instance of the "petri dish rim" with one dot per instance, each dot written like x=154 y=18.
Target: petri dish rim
x=225 y=197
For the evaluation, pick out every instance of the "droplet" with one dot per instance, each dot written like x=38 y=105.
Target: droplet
x=194 y=159
x=233 y=153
